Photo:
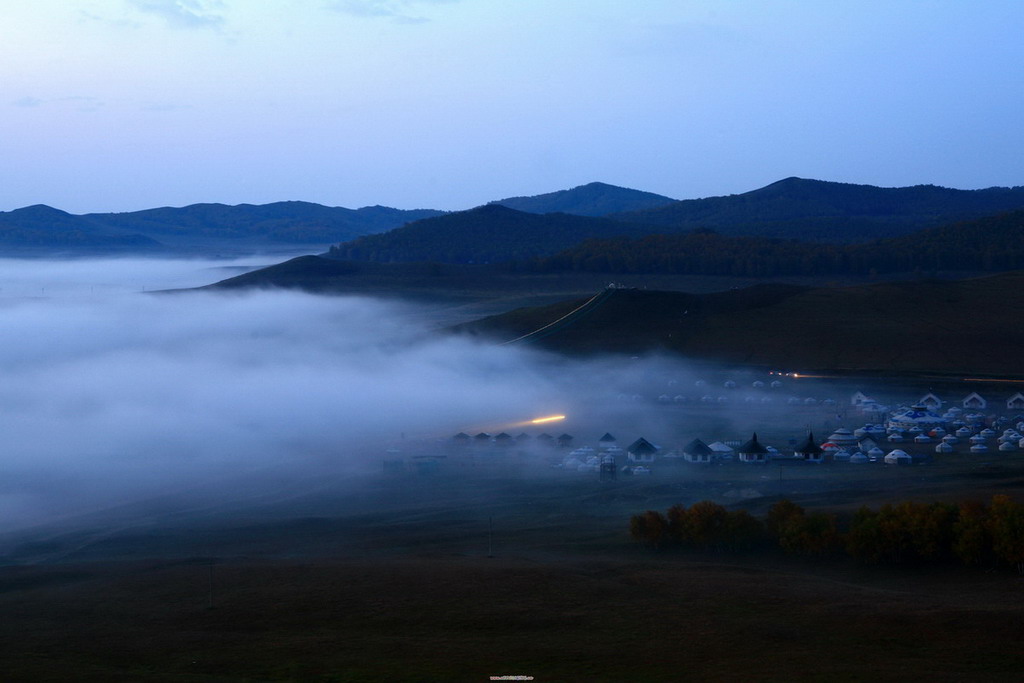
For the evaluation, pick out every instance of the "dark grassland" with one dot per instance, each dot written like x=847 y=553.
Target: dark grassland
x=389 y=578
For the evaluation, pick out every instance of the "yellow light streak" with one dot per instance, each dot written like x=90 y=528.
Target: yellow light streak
x=550 y=418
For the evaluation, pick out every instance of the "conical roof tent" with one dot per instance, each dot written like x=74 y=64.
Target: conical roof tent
x=809 y=446
x=607 y=438
x=752 y=446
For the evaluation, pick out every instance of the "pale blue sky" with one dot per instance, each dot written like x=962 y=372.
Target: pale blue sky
x=114 y=105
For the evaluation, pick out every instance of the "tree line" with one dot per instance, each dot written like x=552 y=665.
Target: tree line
x=905 y=533
x=989 y=244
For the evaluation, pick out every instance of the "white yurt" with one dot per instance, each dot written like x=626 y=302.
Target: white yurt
x=876 y=453
x=979 y=448
x=758 y=384
x=915 y=416
x=922 y=438
x=664 y=398
x=641 y=470
x=977 y=438
x=1006 y=447
x=987 y=433
x=949 y=438
x=843 y=437
x=943 y=447
x=842 y=455
x=964 y=432
x=858 y=458
x=897 y=457
x=895 y=437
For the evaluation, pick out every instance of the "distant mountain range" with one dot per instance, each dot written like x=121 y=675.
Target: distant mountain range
x=809 y=210
x=963 y=326
x=510 y=229
x=199 y=227
x=592 y=199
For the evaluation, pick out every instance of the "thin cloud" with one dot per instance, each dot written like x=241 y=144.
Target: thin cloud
x=399 y=11
x=184 y=13
x=27 y=102
x=165 y=106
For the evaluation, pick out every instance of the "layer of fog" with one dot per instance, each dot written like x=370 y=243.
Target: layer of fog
x=109 y=395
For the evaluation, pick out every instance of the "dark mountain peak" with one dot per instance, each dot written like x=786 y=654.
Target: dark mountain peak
x=38 y=211
x=593 y=199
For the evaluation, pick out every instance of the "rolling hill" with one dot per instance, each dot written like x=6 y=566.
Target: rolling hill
x=798 y=208
x=43 y=228
x=791 y=209
x=195 y=228
x=948 y=327
x=592 y=199
x=992 y=243
x=489 y=233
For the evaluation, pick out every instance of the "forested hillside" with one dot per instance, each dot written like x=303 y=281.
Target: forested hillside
x=490 y=233
x=817 y=210
x=993 y=243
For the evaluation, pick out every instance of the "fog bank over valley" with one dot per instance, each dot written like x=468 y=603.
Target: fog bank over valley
x=109 y=395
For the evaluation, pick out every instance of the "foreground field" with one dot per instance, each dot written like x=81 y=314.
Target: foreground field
x=393 y=581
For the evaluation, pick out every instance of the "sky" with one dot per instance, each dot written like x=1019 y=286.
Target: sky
x=120 y=105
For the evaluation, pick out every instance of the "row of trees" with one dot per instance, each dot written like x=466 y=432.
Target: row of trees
x=909 y=532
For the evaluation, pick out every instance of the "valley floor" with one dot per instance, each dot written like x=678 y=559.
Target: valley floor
x=459 y=578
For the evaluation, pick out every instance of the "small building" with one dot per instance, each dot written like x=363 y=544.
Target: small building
x=809 y=450
x=859 y=398
x=641 y=450
x=930 y=401
x=564 y=441
x=503 y=439
x=721 y=450
x=752 y=451
x=1015 y=402
x=697 y=451
x=607 y=441
x=974 y=401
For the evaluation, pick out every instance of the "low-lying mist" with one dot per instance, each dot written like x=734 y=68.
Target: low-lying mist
x=109 y=395
x=112 y=395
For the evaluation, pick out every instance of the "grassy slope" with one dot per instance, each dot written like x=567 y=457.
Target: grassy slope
x=968 y=326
